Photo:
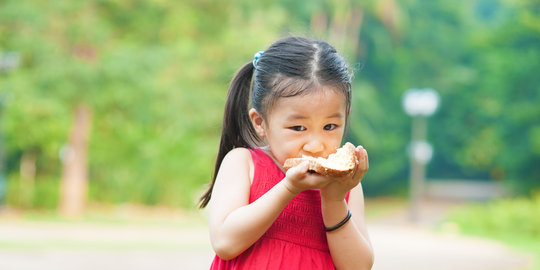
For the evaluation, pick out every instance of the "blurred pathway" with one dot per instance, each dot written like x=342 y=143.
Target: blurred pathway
x=50 y=246
x=398 y=244
x=402 y=244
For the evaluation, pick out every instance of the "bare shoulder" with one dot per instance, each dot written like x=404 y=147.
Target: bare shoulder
x=232 y=185
x=235 y=169
x=238 y=154
x=237 y=160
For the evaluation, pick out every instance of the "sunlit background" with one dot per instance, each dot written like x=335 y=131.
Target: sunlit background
x=110 y=116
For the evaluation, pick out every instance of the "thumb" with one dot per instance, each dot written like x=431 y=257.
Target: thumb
x=298 y=171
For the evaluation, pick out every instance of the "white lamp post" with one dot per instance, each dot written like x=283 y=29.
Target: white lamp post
x=419 y=104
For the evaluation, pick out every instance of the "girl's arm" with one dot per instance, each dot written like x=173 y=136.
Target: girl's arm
x=349 y=245
x=234 y=223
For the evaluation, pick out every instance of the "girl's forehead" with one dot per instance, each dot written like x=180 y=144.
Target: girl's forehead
x=326 y=101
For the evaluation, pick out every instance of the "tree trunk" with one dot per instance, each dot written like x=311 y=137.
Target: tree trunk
x=74 y=183
x=28 y=175
x=341 y=28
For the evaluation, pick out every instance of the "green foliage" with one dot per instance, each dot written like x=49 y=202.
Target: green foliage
x=43 y=194
x=477 y=56
x=154 y=75
x=503 y=218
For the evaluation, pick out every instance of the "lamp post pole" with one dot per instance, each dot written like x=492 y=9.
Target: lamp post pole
x=419 y=104
x=418 y=169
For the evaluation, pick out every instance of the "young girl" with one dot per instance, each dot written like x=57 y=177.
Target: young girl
x=262 y=217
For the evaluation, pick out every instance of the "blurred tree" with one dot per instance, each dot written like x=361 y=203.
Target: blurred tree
x=74 y=182
x=154 y=75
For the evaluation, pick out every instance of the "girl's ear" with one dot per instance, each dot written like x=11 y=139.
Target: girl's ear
x=258 y=122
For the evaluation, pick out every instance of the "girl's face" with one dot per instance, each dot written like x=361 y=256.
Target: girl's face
x=311 y=124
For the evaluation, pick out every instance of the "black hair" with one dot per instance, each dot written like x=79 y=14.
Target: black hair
x=289 y=67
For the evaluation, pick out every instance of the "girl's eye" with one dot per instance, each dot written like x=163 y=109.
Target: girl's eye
x=330 y=127
x=298 y=128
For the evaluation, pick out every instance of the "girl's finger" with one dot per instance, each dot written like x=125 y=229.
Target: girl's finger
x=366 y=160
x=362 y=156
x=298 y=171
x=363 y=163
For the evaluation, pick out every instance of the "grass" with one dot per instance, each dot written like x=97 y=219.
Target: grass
x=151 y=228
x=127 y=214
x=383 y=206
x=124 y=227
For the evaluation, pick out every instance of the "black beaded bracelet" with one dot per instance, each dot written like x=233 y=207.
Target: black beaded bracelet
x=333 y=228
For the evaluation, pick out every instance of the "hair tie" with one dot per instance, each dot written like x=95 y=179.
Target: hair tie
x=256 y=58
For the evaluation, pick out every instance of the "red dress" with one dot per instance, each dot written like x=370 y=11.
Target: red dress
x=296 y=239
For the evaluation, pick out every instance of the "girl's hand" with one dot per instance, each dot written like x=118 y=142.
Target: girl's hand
x=298 y=179
x=338 y=188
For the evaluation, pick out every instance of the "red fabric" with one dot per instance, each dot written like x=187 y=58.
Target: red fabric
x=296 y=240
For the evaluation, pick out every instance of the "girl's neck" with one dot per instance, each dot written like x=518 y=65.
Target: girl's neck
x=268 y=151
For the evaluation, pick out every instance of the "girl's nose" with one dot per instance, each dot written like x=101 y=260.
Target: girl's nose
x=313 y=147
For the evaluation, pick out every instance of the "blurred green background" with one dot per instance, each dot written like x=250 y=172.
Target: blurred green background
x=153 y=76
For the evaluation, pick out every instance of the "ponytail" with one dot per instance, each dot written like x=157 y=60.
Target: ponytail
x=237 y=129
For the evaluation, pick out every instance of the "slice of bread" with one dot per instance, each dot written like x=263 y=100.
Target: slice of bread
x=340 y=163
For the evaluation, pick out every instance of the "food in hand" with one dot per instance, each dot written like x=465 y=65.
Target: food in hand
x=340 y=163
